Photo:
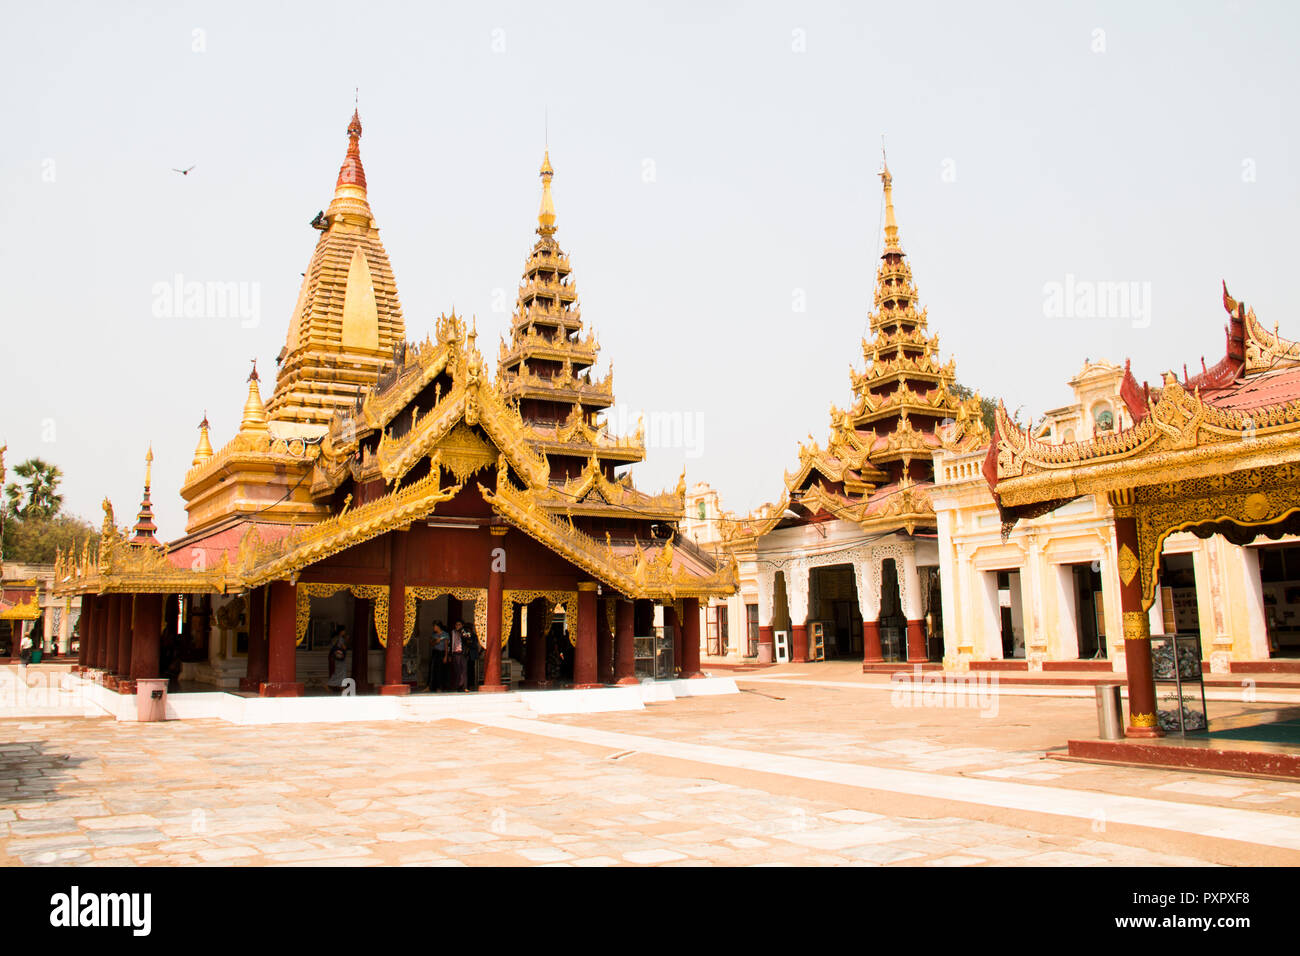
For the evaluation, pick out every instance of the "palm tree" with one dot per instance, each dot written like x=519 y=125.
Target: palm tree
x=40 y=498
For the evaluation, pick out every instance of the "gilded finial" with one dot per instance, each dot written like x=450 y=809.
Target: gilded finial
x=546 y=214
x=203 y=452
x=891 y=224
x=254 y=419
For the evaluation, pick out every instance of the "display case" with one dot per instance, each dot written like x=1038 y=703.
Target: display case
x=891 y=643
x=817 y=634
x=1180 y=685
x=653 y=655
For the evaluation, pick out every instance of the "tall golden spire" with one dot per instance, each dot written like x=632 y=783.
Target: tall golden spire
x=203 y=451
x=546 y=214
x=891 y=224
x=254 y=419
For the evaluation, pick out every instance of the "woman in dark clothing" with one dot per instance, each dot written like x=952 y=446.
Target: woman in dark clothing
x=471 y=660
x=438 y=658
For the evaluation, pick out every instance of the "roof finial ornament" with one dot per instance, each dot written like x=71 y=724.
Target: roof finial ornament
x=252 y=377
x=891 y=224
x=546 y=214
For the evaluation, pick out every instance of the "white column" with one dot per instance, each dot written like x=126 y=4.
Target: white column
x=1255 y=636
x=796 y=592
x=910 y=585
x=868 y=586
x=766 y=595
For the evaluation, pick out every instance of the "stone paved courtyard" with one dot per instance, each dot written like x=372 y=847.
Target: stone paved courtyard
x=780 y=774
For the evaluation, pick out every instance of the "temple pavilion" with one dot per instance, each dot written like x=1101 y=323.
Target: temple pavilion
x=1216 y=453
x=846 y=560
x=386 y=482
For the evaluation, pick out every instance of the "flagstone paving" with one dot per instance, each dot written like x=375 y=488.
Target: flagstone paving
x=206 y=793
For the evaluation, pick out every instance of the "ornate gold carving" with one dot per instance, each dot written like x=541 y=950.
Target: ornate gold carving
x=1136 y=626
x=262 y=563
x=1127 y=564
x=1142 y=720
x=463 y=453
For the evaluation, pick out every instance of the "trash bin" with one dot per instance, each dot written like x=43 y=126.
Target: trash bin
x=37 y=654
x=151 y=699
x=1110 y=712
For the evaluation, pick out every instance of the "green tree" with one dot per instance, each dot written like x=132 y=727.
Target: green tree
x=38 y=496
x=33 y=540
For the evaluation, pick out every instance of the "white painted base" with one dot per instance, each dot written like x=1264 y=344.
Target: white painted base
x=81 y=697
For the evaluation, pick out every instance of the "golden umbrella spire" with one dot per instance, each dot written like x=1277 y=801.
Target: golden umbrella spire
x=203 y=451
x=546 y=215
x=891 y=224
x=254 y=419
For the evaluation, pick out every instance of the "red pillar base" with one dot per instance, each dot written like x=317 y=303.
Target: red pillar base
x=492 y=688
x=1143 y=732
x=585 y=686
x=249 y=685
x=394 y=690
x=626 y=681
x=871 y=653
x=281 y=689
x=125 y=686
x=916 y=650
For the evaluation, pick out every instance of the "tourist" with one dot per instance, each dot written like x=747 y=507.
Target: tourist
x=438 y=659
x=471 y=659
x=457 y=654
x=338 y=655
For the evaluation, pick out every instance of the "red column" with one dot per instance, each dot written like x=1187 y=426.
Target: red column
x=916 y=650
x=1142 y=720
x=108 y=649
x=584 y=651
x=799 y=643
x=535 y=644
x=393 y=683
x=766 y=639
x=624 y=642
x=84 y=625
x=670 y=621
x=122 y=653
x=105 y=630
x=691 y=638
x=604 y=642
x=282 y=648
x=871 y=643
x=255 y=673
x=362 y=610
x=146 y=631
x=496 y=585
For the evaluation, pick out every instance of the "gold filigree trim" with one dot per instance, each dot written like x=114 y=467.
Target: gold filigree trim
x=374 y=592
x=420 y=593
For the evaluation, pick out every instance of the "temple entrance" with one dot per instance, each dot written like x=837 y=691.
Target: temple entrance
x=834 y=601
x=428 y=664
x=1279 y=575
x=1005 y=627
x=333 y=625
x=893 y=623
x=1082 y=616
x=1182 y=614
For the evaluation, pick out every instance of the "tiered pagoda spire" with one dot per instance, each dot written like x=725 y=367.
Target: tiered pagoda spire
x=547 y=367
x=347 y=320
x=145 y=531
x=904 y=396
x=877 y=465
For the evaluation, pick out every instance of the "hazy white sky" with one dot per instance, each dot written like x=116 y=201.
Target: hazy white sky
x=715 y=167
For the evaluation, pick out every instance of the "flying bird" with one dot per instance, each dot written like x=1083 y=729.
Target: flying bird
x=183 y=172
